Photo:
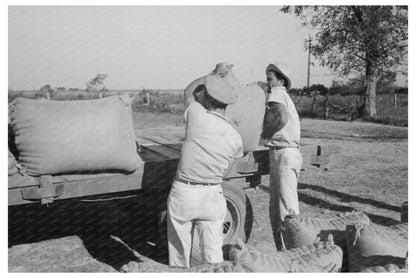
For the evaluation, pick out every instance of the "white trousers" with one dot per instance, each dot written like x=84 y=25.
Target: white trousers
x=195 y=205
x=285 y=165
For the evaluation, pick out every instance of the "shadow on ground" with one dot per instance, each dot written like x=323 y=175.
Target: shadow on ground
x=96 y=223
x=343 y=198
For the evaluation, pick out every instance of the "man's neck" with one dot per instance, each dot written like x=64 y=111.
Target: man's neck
x=217 y=110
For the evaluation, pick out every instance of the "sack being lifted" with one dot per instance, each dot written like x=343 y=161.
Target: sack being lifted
x=58 y=137
x=247 y=113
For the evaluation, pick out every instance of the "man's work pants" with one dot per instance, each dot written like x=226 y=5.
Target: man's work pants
x=195 y=205
x=285 y=165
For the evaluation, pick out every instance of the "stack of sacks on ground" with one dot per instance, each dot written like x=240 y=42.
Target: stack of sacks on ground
x=374 y=245
x=299 y=230
x=317 y=257
x=57 y=137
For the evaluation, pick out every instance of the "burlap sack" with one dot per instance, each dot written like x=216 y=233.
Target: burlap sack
x=224 y=267
x=374 y=245
x=404 y=212
x=300 y=230
x=247 y=113
x=319 y=257
x=56 y=137
x=12 y=165
x=392 y=268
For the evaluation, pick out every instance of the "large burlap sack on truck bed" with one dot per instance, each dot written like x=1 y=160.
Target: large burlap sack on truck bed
x=247 y=113
x=318 y=257
x=300 y=230
x=375 y=245
x=57 y=137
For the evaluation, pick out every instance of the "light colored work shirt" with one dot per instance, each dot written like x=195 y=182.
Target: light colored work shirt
x=210 y=144
x=289 y=135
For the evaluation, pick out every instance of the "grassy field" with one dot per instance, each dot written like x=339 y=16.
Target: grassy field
x=387 y=113
x=172 y=101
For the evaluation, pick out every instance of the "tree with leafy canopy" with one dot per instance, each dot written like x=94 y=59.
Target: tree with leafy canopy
x=358 y=39
x=45 y=92
x=96 y=85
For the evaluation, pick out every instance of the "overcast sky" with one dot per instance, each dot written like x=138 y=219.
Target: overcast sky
x=156 y=47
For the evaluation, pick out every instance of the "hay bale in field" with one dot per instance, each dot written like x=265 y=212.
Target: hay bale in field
x=300 y=230
x=318 y=257
x=374 y=245
x=57 y=137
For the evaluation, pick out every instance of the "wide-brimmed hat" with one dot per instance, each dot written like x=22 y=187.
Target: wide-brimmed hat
x=218 y=89
x=283 y=70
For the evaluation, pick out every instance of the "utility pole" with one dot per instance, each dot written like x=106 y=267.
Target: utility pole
x=309 y=60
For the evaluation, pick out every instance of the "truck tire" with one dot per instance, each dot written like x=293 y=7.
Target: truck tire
x=237 y=224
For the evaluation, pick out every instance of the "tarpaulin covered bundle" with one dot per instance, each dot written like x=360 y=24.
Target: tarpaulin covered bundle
x=374 y=245
x=318 y=257
x=247 y=113
x=300 y=230
x=56 y=137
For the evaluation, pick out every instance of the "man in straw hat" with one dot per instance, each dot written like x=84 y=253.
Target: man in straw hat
x=281 y=129
x=196 y=197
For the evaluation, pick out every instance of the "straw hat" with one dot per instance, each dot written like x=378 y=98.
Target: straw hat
x=281 y=69
x=220 y=90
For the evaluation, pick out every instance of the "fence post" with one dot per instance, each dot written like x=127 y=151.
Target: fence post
x=395 y=101
x=313 y=104
x=326 y=105
x=147 y=98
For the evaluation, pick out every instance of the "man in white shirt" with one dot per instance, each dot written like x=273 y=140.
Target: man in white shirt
x=281 y=130
x=196 y=197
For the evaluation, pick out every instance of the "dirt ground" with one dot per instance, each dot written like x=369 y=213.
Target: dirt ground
x=369 y=173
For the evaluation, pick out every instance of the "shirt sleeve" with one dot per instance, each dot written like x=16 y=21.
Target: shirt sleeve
x=239 y=152
x=193 y=110
x=277 y=96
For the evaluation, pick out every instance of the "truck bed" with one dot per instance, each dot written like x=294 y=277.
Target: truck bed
x=160 y=152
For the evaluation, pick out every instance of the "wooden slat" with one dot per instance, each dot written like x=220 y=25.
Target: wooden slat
x=95 y=186
x=24 y=181
x=168 y=150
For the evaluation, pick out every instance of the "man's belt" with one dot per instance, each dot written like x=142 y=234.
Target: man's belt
x=195 y=183
x=283 y=147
